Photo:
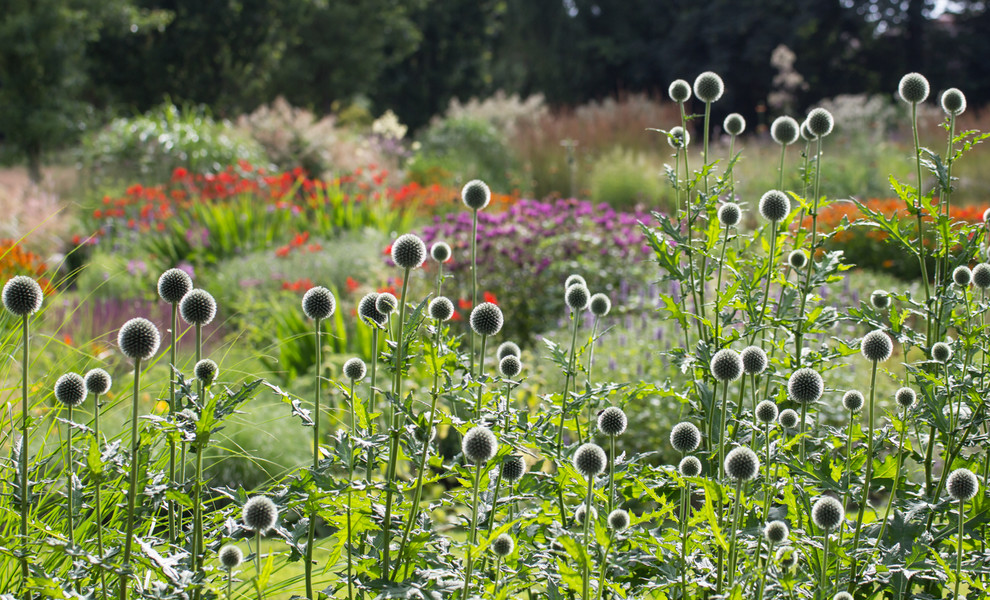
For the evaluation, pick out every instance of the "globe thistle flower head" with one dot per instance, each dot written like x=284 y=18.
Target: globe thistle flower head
x=708 y=87
x=853 y=401
x=905 y=397
x=230 y=556
x=369 y=313
x=913 y=88
x=787 y=557
x=440 y=252
x=729 y=214
x=318 y=303
x=766 y=411
x=820 y=122
x=962 y=485
x=962 y=276
x=577 y=297
x=774 y=206
x=685 y=437
x=879 y=299
x=797 y=259
x=98 y=381
x=513 y=468
x=741 y=464
x=476 y=194
x=876 y=346
x=479 y=445
x=941 y=352
x=842 y=596
x=679 y=138
x=486 y=319
x=206 y=371
x=198 y=307
x=441 y=309
x=506 y=349
x=355 y=369
x=679 y=91
x=138 y=339
x=726 y=365
x=785 y=130
x=805 y=386
x=259 y=514
x=689 y=466
x=806 y=134
x=581 y=511
x=827 y=513
x=754 y=360
x=776 y=532
x=22 y=296
x=574 y=278
x=408 y=251
x=986 y=216
x=173 y=285
x=590 y=460
x=510 y=367
x=503 y=545
x=600 y=304
x=70 y=389
x=612 y=421
x=953 y=102
x=386 y=303
x=788 y=418
x=734 y=124
x=981 y=276
x=618 y=520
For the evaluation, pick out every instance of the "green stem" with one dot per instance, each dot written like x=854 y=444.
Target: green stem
x=601 y=569
x=350 y=488
x=897 y=478
x=721 y=431
x=132 y=489
x=735 y=529
x=474 y=281
x=374 y=394
x=311 y=534
x=198 y=542
x=257 y=563
x=921 y=227
x=481 y=375
x=591 y=353
x=68 y=493
x=780 y=176
x=230 y=577
x=567 y=387
x=685 y=504
x=869 y=476
x=823 y=585
x=611 y=474
x=25 y=447
x=173 y=507
x=718 y=285
x=97 y=498
x=474 y=528
x=587 y=526
x=959 y=546
x=848 y=471
x=771 y=261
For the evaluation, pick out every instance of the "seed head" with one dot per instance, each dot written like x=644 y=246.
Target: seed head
x=690 y=466
x=369 y=313
x=577 y=297
x=612 y=421
x=820 y=122
x=510 y=367
x=355 y=369
x=259 y=513
x=589 y=460
x=876 y=346
x=503 y=545
x=173 y=285
x=386 y=303
x=581 y=511
x=754 y=360
x=853 y=401
x=806 y=134
x=708 y=87
x=441 y=309
x=679 y=138
x=785 y=130
x=507 y=348
x=600 y=304
x=766 y=411
x=476 y=194
x=776 y=532
x=774 y=206
x=734 y=124
x=479 y=445
x=408 y=251
x=981 y=276
x=440 y=252
x=230 y=556
x=70 y=389
x=729 y=214
x=962 y=485
x=787 y=557
x=574 y=278
x=913 y=88
x=880 y=299
x=486 y=319
x=827 y=513
x=788 y=418
x=941 y=352
x=198 y=307
x=206 y=371
x=805 y=386
x=797 y=259
x=842 y=596
x=138 y=339
x=318 y=303
x=679 y=91
x=98 y=381
x=618 y=520
x=962 y=276
x=726 y=365
x=905 y=397
x=513 y=468
x=741 y=464
x=953 y=102
x=22 y=295
x=685 y=437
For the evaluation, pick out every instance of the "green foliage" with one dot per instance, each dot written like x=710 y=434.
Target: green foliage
x=624 y=180
x=461 y=145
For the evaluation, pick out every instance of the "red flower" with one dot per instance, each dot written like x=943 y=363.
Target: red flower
x=283 y=251
x=180 y=173
x=351 y=284
x=464 y=304
x=490 y=297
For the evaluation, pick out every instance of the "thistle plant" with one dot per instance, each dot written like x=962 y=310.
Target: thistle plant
x=259 y=515
x=98 y=382
x=853 y=401
x=685 y=437
x=680 y=92
x=729 y=215
x=708 y=87
x=577 y=297
x=785 y=131
x=354 y=371
x=726 y=366
x=440 y=252
x=589 y=461
x=741 y=465
x=486 y=321
x=805 y=386
x=230 y=557
x=774 y=207
x=476 y=195
x=479 y=446
x=775 y=533
x=827 y=514
x=599 y=305
x=734 y=124
x=70 y=391
x=612 y=422
x=962 y=486
x=905 y=398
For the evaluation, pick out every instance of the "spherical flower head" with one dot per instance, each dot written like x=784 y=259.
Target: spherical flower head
x=806 y=134
x=590 y=460
x=440 y=252
x=941 y=352
x=679 y=91
x=962 y=485
x=788 y=418
x=476 y=194
x=853 y=401
x=408 y=251
x=369 y=313
x=913 y=88
x=577 y=297
x=986 y=216
x=618 y=520
x=386 y=303
x=173 y=285
x=486 y=319
x=754 y=360
x=22 y=296
x=510 y=367
x=774 y=206
x=685 y=437
x=787 y=557
x=355 y=369
x=797 y=259
x=574 y=278
x=70 y=389
x=679 y=138
x=581 y=511
x=766 y=411
x=513 y=468
x=503 y=545
x=734 y=124
x=726 y=365
x=690 y=466
x=600 y=304
x=905 y=397
x=776 y=532
x=507 y=348
x=820 y=122
x=741 y=464
x=708 y=87
x=953 y=102
x=876 y=346
x=612 y=421
x=805 y=386
x=230 y=556
x=259 y=514
x=842 y=596
x=827 y=513
x=98 y=381
x=138 y=339
x=198 y=307
x=318 y=303
x=206 y=371
x=785 y=130
x=729 y=214
x=441 y=309
x=879 y=299
x=479 y=445
x=962 y=276
x=981 y=276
